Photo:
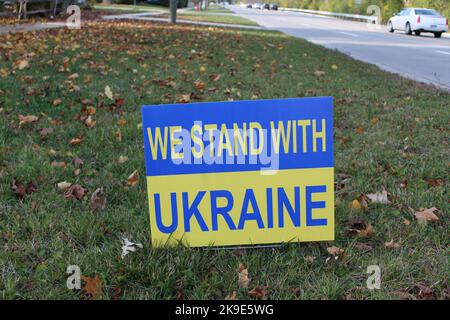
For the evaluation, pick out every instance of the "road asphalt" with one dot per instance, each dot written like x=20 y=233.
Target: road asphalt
x=421 y=58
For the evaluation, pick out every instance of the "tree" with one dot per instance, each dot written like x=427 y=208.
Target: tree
x=173 y=11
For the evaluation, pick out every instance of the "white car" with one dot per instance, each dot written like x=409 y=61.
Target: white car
x=419 y=20
x=257 y=6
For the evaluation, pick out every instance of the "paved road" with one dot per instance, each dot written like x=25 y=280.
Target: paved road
x=423 y=58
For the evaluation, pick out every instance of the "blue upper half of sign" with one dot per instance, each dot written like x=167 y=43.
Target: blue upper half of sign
x=238 y=136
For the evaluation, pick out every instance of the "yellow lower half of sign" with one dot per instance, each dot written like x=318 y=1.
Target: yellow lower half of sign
x=241 y=208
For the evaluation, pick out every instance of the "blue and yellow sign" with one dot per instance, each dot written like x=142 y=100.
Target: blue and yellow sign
x=240 y=173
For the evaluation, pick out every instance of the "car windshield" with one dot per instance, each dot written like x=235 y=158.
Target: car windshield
x=426 y=12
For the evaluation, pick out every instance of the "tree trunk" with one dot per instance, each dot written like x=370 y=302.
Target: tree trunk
x=107 y=2
x=173 y=11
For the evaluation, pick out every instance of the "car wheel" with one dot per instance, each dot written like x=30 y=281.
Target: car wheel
x=438 y=34
x=408 y=29
x=417 y=33
x=390 y=27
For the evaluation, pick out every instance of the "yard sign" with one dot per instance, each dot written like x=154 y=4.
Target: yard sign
x=240 y=173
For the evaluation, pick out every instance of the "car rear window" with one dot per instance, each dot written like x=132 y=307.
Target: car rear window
x=426 y=12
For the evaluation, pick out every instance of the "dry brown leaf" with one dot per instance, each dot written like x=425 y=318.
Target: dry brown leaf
x=20 y=190
x=426 y=215
x=23 y=64
x=335 y=251
x=92 y=286
x=133 y=179
x=122 y=122
x=231 y=296
x=118 y=135
x=360 y=130
x=23 y=120
x=183 y=98
x=45 y=132
x=98 y=200
x=76 y=141
x=58 y=164
x=258 y=293
x=363 y=247
x=310 y=259
x=392 y=245
x=374 y=120
x=57 y=102
x=199 y=85
x=361 y=229
x=89 y=122
x=77 y=162
x=75 y=192
x=243 y=279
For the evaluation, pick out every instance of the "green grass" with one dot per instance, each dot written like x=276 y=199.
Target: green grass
x=217 y=18
x=126 y=8
x=145 y=63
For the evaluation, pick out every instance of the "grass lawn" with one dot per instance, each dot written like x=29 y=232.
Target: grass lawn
x=207 y=16
x=390 y=133
x=131 y=8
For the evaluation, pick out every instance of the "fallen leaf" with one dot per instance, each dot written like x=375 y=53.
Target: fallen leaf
x=77 y=162
x=243 y=279
x=374 y=120
x=129 y=246
x=76 y=141
x=133 y=179
x=109 y=93
x=363 y=247
x=355 y=204
x=319 y=73
x=92 y=286
x=310 y=259
x=45 y=132
x=435 y=182
x=361 y=229
x=335 y=251
x=75 y=192
x=57 y=102
x=199 y=85
x=122 y=122
x=123 y=159
x=73 y=76
x=23 y=64
x=63 y=185
x=98 y=200
x=379 y=197
x=20 y=190
x=89 y=122
x=392 y=245
x=183 y=98
x=360 y=130
x=231 y=296
x=258 y=293
x=31 y=188
x=118 y=135
x=426 y=215
x=422 y=291
x=23 y=120
x=58 y=164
